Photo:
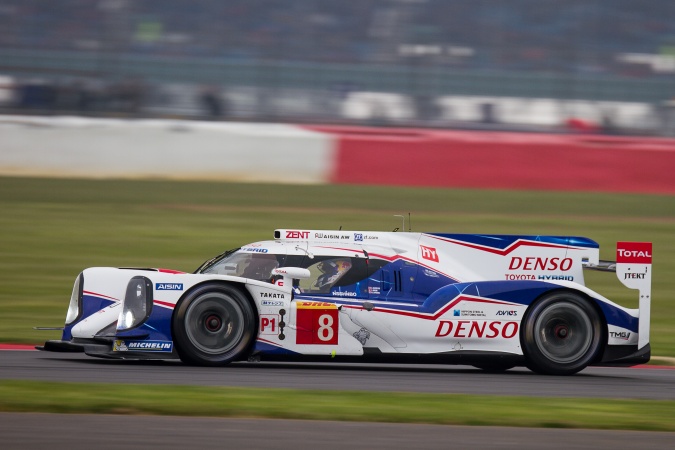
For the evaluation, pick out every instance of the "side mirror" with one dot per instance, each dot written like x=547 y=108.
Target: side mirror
x=289 y=274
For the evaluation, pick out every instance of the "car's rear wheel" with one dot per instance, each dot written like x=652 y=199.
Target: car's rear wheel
x=213 y=325
x=562 y=334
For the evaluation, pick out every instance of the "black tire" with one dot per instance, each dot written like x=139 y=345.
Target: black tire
x=562 y=334
x=213 y=325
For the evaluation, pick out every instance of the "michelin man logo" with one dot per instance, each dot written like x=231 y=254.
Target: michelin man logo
x=119 y=346
x=362 y=336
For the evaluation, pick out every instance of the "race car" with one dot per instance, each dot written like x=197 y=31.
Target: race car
x=491 y=301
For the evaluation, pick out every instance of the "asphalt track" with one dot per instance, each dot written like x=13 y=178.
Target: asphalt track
x=37 y=431
x=594 y=382
x=80 y=432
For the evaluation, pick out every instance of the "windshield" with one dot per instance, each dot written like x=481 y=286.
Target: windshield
x=257 y=266
x=211 y=261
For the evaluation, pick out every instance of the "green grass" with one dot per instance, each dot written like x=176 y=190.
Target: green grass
x=50 y=229
x=89 y=398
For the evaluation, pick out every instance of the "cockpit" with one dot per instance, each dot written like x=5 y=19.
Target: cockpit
x=256 y=266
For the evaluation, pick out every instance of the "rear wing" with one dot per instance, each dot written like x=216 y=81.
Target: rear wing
x=602 y=266
x=633 y=268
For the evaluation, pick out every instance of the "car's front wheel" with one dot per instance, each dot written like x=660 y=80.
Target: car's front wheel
x=213 y=325
x=562 y=334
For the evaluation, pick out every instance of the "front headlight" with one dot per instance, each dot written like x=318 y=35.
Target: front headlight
x=75 y=305
x=137 y=303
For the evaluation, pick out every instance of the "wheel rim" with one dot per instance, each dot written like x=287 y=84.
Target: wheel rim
x=214 y=323
x=563 y=332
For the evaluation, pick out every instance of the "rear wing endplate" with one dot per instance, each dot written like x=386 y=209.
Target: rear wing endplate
x=633 y=267
x=634 y=270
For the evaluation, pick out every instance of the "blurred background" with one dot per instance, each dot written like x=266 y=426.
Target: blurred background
x=536 y=65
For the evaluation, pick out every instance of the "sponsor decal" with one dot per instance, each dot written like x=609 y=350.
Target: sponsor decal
x=640 y=276
x=512 y=277
x=469 y=313
x=271 y=295
x=547 y=264
x=271 y=303
x=343 y=294
x=430 y=273
x=169 y=286
x=358 y=237
x=507 y=313
x=374 y=290
x=297 y=234
x=331 y=236
x=362 y=336
x=143 y=346
x=556 y=277
x=625 y=335
x=316 y=305
x=477 y=329
x=527 y=276
x=634 y=252
x=254 y=250
x=429 y=253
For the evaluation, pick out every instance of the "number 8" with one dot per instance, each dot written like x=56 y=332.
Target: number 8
x=325 y=331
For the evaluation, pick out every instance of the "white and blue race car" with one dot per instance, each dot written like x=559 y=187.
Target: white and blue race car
x=491 y=301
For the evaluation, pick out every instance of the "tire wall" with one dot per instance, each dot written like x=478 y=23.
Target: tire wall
x=105 y=148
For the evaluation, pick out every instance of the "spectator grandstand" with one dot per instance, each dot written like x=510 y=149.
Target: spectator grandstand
x=327 y=51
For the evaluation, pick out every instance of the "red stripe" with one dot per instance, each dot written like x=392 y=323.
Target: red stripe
x=269 y=342
x=23 y=347
x=100 y=295
x=165 y=304
x=652 y=366
x=169 y=271
x=504 y=252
